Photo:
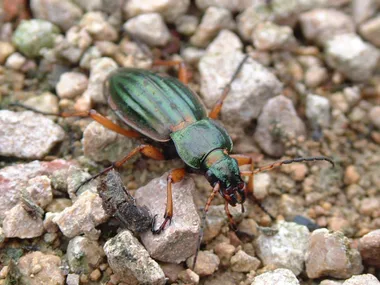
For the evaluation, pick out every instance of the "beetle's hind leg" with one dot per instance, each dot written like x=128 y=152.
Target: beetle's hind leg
x=105 y=122
x=175 y=175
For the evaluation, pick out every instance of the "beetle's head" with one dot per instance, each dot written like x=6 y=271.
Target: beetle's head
x=223 y=169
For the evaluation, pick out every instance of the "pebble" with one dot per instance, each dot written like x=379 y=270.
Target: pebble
x=277 y=277
x=268 y=36
x=369 y=247
x=369 y=206
x=224 y=251
x=46 y=102
x=207 y=263
x=171 y=10
x=249 y=19
x=233 y=6
x=179 y=239
x=71 y=84
x=318 y=110
x=84 y=255
x=15 y=61
x=262 y=182
x=188 y=277
x=214 y=20
x=52 y=11
x=370 y=31
x=74 y=44
x=329 y=254
x=123 y=251
x=82 y=217
x=186 y=24
x=100 y=69
x=331 y=282
x=92 y=53
x=192 y=55
x=367 y=279
x=32 y=36
x=351 y=175
x=277 y=123
x=315 y=76
x=362 y=10
x=101 y=144
x=40 y=190
x=374 y=116
x=243 y=262
x=27 y=134
x=249 y=91
x=225 y=42
x=21 y=224
x=95 y=275
x=285 y=249
x=321 y=25
x=171 y=270
x=6 y=49
x=16 y=177
x=39 y=268
x=351 y=56
x=72 y=279
x=149 y=28
x=97 y=26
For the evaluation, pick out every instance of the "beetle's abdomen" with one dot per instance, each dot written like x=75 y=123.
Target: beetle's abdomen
x=194 y=142
x=152 y=104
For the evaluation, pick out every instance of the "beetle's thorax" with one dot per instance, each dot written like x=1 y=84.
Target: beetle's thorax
x=221 y=168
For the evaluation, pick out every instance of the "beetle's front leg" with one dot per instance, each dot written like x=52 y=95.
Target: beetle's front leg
x=175 y=175
x=183 y=74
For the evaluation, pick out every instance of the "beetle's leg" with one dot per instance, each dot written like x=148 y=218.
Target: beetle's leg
x=245 y=160
x=107 y=123
x=182 y=72
x=203 y=221
x=145 y=149
x=176 y=175
x=230 y=218
x=218 y=106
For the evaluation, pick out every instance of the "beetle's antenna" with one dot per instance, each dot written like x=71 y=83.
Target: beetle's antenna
x=203 y=221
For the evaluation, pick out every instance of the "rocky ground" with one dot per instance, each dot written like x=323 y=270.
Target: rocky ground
x=310 y=87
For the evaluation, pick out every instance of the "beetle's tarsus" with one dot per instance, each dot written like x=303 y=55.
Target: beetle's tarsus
x=162 y=227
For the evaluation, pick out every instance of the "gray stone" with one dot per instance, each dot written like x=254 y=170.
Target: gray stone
x=362 y=10
x=16 y=177
x=15 y=61
x=351 y=56
x=268 y=36
x=72 y=279
x=52 y=11
x=149 y=28
x=262 y=182
x=71 y=84
x=33 y=35
x=370 y=31
x=186 y=24
x=278 y=123
x=367 y=279
x=249 y=19
x=207 y=263
x=192 y=55
x=276 y=277
x=84 y=255
x=39 y=268
x=100 y=69
x=214 y=20
x=129 y=259
x=97 y=26
x=40 y=190
x=321 y=25
x=188 y=277
x=249 y=91
x=101 y=144
x=318 y=110
x=46 y=102
x=91 y=54
x=225 y=42
x=169 y=9
x=374 y=116
x=329 y=254
x=27 y=134
x=369 y=247
x=21 y=224
x=243 y=262
x=82 y=217
x=178 y=240
x=233 y=6
x=286 y=248
x=74 y=44
x=315 y=76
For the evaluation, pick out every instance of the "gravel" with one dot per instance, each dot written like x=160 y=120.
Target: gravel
x=276 y=277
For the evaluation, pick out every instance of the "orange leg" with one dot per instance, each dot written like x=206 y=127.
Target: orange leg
x=218 y=106
x=176 y=175
x=183 y=74
x=230 y=218
x=245 y=160
x=145 y=149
